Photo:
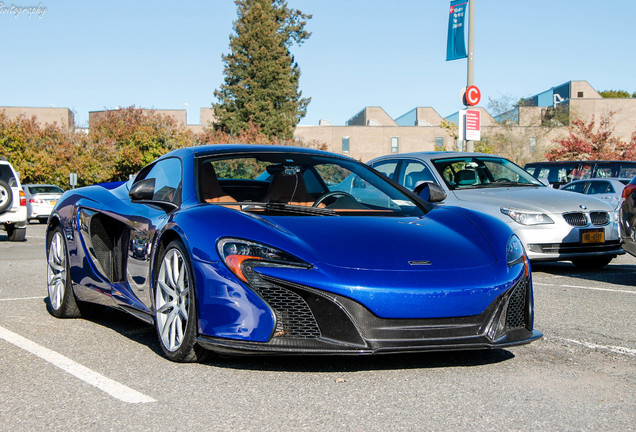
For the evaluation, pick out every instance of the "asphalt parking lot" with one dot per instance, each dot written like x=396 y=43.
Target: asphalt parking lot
x=108 y=373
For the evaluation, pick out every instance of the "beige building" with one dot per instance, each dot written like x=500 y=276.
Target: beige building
x=62 y=116
x=528 y=129
x=523 y=134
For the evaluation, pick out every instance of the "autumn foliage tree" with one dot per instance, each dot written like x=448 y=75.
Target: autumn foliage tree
x=120 y=142
x=129 y=139
x=592 y=141
x=40 y=153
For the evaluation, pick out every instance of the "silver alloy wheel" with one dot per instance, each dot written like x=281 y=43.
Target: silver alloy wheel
x=172 y=299
x=56 y=271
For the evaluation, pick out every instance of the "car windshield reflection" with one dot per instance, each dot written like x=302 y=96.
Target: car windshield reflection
x=289 y=184
x=482 y=172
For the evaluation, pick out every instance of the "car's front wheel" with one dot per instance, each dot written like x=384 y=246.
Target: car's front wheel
x=592 y=262
x=62 y=303
x=175 y=306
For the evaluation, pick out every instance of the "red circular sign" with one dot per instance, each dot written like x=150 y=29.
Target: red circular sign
x=472 y=96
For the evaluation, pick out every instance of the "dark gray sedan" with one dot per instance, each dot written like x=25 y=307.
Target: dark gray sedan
x=627 y=218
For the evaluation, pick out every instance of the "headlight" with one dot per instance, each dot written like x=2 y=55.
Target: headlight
x=526 y=217
x=516 y=254
x=234 y=252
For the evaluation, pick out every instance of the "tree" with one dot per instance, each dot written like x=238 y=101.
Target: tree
x=261 y=75
x=521 y=129
x=616 y=94
x=450 y=128
x=40 y=153
x=586 y=141
x=129 y=139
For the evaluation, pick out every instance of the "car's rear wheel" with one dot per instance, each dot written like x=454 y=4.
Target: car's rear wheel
x=592 y=262
x=62 y=303
x=16 y=234
x=6 y=196
x=175 y=306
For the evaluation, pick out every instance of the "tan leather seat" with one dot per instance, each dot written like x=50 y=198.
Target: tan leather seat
x=289 y=189
x=210 y=190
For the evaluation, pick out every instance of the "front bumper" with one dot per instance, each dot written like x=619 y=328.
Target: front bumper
x=310 y=321
x=561 y=242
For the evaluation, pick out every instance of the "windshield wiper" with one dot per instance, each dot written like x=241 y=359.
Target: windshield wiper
x=507 y=184
x=279 y=206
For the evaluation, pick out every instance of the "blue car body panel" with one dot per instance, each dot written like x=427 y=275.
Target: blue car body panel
x=445 y=266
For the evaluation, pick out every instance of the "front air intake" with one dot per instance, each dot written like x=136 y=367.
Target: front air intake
x=518 y=313
x=293 y=316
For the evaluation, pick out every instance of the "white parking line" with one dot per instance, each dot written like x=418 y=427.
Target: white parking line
x=22 y=298
x=113 y=388
x=593 y=346
x=585 y=288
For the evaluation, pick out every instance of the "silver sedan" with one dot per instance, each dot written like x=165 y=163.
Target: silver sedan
x=41 y=199
x=553 y=225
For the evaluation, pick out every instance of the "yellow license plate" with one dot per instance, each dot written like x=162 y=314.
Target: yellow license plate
x=52 y=202
x=593 y=236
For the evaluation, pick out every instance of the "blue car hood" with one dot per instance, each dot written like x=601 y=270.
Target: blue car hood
x=443 y=238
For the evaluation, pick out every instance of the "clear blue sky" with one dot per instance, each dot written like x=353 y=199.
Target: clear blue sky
x=89 y=56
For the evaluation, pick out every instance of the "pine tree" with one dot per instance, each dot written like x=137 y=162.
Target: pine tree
x=261 y=75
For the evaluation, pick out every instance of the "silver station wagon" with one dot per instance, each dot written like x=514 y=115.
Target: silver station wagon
x=553 y=225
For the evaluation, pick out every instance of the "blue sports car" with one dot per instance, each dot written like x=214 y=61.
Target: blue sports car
x=264 y=249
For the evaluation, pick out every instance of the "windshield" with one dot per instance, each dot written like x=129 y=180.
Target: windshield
x=482 y=172
x=41 y=189
x=300 y=184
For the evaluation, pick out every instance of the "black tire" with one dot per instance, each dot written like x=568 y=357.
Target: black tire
x=6 y=196
x=593 y=262
x=176 y=337
x=16 y=234
x=62 y=303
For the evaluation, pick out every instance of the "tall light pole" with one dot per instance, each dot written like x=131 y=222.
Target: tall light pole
x=470 y=145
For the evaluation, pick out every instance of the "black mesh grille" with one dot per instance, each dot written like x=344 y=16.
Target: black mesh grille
x=599 y=218
x=575 y=219
x=102 y=245
x=517 y=315
x=293 y=316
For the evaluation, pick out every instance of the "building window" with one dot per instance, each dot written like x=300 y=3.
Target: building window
x=533 y=144
x=439 y=143
x=580 y=94
x=395 y=144
x=345 y=144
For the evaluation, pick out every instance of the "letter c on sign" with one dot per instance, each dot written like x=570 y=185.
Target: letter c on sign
x=472 y=96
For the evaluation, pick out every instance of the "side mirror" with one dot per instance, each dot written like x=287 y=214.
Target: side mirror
x=143 y=190
x=430 y=192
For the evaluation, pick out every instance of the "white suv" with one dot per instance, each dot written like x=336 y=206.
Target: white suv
x=13 y=209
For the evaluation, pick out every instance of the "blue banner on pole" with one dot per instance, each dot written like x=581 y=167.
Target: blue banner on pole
x=456 y=43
